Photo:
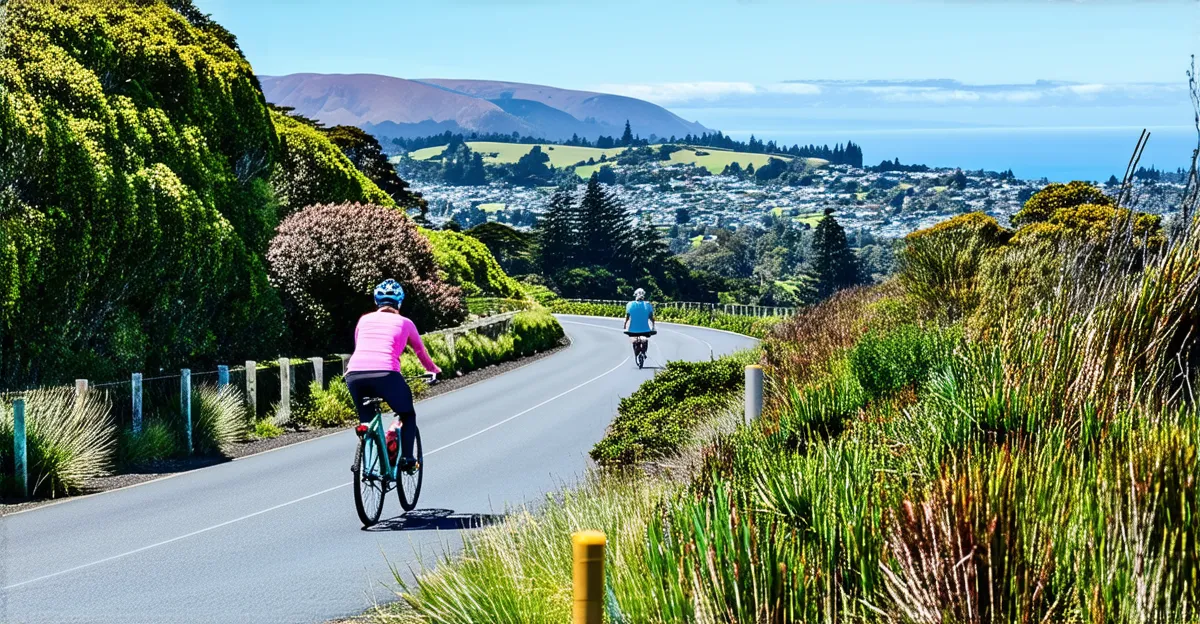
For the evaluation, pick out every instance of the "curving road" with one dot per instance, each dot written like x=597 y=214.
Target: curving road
x=274 y=537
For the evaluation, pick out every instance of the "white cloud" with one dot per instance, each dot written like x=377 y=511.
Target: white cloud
x=793 y=88
x=679 y=92
x=914 y=93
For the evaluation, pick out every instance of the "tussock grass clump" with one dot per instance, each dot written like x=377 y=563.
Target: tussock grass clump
x=69 y=439
x=156 y=441
x=219 y=419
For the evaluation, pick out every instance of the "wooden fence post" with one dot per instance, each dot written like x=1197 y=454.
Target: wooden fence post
x=81 y=387
x=135 y=391
x=185 y=404
x=252 y=389
x=318 y=370
x=285 y=389
x=19 y=456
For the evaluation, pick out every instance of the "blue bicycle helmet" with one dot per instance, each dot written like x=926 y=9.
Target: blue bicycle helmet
x=389 y=293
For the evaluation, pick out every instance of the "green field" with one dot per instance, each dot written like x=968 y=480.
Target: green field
x=811 y=218
x=715 y=160
x=492 y=207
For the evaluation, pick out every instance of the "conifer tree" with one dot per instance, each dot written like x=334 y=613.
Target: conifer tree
x=627 y=136
x=557 y=234
x=834 y=266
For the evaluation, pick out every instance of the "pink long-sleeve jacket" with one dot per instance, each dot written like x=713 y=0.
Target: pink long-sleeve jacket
x=379 y=341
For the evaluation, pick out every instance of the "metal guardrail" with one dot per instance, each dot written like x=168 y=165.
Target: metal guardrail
x=732 y=309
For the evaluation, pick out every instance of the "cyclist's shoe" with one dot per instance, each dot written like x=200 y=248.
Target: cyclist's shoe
x=361 y=430
x=407 y=465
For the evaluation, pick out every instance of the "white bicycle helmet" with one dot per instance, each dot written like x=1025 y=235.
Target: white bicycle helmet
x=639 y=294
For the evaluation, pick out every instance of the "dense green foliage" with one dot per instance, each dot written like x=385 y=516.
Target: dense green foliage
x=512 y=248
x=658 y=419
x=465 y=262
x=327 y=260
x=135 y=148
x=312 y=170
x=366 y=154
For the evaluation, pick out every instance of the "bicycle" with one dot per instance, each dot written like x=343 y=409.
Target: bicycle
x=375 y=472
x=641 y=343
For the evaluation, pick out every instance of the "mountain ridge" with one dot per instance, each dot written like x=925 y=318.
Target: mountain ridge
x=391 y=107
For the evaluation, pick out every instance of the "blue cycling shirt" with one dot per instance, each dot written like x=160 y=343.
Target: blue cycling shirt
x=639 y=313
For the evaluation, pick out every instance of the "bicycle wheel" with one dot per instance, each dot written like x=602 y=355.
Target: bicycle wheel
x=370 y=486
x=408 y=486
x=641 y=359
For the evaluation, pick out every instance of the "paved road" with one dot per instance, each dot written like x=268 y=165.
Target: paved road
x=274 y=537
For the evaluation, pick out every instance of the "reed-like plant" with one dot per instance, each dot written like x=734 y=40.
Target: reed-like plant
x=69 y=439
x=220 y=419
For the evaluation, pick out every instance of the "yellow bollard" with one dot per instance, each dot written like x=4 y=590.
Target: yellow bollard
x=588 y=548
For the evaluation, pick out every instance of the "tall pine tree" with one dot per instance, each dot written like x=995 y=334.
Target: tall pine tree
x=557 y=228
x=604 y=228
x=834 y=266
x=627 y=137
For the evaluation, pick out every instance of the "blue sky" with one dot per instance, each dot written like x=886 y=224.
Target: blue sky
x=793 y=70
x=577 y=44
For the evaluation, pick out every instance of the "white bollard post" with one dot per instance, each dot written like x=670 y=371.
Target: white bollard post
x=318 y=370
x=222 y=376
x=252 y=389
x=754 y=392
x=81 y=387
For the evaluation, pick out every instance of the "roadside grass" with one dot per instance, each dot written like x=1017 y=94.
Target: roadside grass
x=910 y=466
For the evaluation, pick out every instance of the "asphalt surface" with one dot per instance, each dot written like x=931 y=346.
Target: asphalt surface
x=274 y=537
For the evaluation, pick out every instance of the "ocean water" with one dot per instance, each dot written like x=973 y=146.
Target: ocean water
x=1056 y=153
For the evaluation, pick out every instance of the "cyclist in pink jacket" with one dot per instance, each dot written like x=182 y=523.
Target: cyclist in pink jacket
x=374 y=369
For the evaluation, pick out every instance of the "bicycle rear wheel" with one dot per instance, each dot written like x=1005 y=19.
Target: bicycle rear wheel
x=408 y=484
x=370 y=485
x=641 y=360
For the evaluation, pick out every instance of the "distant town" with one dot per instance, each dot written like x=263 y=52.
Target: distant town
x=887 y=204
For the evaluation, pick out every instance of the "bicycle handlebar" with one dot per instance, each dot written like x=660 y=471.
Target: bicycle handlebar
x=430 y=378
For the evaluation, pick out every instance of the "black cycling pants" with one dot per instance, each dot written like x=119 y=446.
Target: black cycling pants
x=391 y=387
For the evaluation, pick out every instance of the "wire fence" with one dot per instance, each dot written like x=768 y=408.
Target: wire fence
x=267 y=388
x=732 y=309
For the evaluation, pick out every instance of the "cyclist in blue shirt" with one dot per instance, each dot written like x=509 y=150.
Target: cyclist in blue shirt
x=639 y=322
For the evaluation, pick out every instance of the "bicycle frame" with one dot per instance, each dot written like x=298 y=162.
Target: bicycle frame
x=376 y=431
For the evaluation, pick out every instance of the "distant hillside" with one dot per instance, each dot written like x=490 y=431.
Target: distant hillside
x=393 y=107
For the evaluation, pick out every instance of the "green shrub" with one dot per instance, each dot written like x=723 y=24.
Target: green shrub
x=939 y=266
x=1054 y=197
x=69 y=439
x=156 y=441
x=219 y=418
x=535 y=331
x=464 y=261
x=658 y=419
x=885 y=363
x=265 y=430
x=328 y=407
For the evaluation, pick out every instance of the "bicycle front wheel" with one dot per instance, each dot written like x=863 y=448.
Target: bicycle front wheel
x=408 y=485
x=370 y=484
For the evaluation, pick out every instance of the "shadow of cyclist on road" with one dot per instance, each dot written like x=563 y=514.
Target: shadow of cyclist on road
x=436 y=520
